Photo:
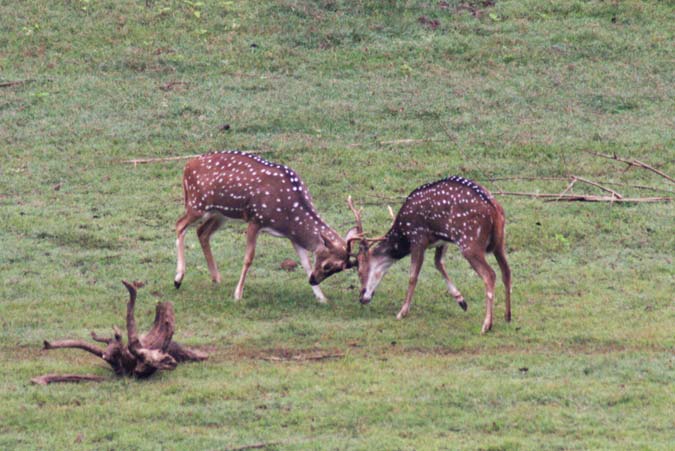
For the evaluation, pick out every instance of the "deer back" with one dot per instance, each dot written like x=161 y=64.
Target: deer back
x=244 y=186
x=453 y=209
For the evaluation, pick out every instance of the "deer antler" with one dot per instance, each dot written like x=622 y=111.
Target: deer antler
x=359 y=224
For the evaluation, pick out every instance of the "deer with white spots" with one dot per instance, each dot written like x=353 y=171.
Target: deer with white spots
x=270 y=198
x=452 y=210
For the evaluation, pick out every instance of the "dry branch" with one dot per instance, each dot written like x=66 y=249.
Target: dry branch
x=604 y=188
x=569 y=187
x=142 y=356
x=583 y=198
x=633 y=162
x=79 y=344
x=566 y=179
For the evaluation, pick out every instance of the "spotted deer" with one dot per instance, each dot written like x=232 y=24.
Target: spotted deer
x=270 y=198
x=452 y=210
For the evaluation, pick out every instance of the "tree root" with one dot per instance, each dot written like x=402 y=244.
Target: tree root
x=141 y=357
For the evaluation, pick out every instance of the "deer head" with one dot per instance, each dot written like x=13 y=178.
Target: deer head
x=372 y=261
x=332 y=256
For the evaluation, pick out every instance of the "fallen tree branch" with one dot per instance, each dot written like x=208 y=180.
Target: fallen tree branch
x=604 y=188
x=52 y=378
x=569 y=187
x=583 y=198
x=632 y=162
x=565 y=179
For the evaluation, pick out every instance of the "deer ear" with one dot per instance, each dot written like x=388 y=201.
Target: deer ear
x=352 y=233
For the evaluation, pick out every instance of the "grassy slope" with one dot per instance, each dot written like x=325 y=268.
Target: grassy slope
x=517 y=91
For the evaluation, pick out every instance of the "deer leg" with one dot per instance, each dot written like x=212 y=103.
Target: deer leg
x=440 y=265
x=416 y=260
x=476 y=258
x=181 y=227
x=500 y=255
x=304 y=261
x=251 y=237
x=204 y=233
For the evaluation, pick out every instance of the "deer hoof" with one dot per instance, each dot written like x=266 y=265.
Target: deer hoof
x=463 y=304
x=176 y=284
x=486 y=328
x=507 y=317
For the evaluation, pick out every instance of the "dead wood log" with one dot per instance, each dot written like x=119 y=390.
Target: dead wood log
x=142 y=356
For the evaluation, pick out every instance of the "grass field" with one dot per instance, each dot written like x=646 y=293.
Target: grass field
x=512 y=89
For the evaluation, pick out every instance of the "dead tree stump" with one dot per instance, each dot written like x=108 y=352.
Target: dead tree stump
x=141 y=356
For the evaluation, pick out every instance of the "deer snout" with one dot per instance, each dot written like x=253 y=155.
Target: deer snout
x=363 y=299
x=313 y=281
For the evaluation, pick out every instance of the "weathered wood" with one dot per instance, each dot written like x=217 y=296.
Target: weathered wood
x=142 y=356
x=79 y=344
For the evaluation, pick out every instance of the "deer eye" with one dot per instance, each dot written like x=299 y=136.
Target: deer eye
x=326 y=267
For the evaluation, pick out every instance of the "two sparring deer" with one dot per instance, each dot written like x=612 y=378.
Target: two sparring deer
x=452 y=210
x=270 y=198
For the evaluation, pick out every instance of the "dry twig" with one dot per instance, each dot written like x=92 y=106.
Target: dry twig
x=565 y=179
x=604 y=188
x=583 y=198
x=633 y=162
x=569 y=187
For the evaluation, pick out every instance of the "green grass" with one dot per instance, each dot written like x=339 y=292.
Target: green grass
x=519 y=89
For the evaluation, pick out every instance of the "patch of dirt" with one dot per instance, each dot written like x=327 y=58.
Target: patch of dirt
x=431 y=24
x=475 y=8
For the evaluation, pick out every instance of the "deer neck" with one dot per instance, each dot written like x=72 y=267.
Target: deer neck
x=308 y=235
x=395 y=246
